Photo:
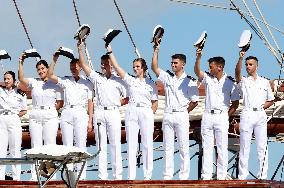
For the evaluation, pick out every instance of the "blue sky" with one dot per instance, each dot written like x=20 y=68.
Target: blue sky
x=52 y=24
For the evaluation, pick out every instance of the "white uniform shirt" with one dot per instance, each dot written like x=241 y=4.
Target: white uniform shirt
x=44 y=93
x=12 y=101
x=220 y=93
x=108 y=91
x=141 y=91
x=255 y=92
x=75 y=93
x=178 y=91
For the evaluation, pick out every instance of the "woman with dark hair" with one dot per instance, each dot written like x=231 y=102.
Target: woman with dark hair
x=143 y=103
x=13 y=105
x=47 y=98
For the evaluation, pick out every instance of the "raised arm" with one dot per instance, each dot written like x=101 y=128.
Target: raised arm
x=238 y=69
x=197 y=70
x=82 y=62
x=50 y=72
x=21 y=71
x=114 y=63
x=155 y=66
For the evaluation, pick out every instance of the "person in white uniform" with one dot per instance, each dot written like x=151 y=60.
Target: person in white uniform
x=47 y=98
x=75 y=121
x=110 y=94
x=143 y=103
x=222 y=100
x=181 y=98
x=257 y=96
x=13 y=105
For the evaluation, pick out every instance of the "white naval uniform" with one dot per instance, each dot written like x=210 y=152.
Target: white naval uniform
x=139 y=115
x=74 y=117
x=179 y=93
x=11 y=103
x=43 y=118
x=254 y=120
x=108 y=94
x=215 y=122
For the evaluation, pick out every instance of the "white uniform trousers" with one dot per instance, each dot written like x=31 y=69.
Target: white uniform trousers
x=43 y=128
x=214 y=125
x=253 y=121
x=74 y=125
x=139 y=118
x=176 y=124
x=110 y=128
x=10 y=134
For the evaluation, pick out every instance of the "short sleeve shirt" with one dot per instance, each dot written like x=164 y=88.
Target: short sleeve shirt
x=108 y=91
x=141 y=91
x=44 y=93
x=12 y=101
x=75 y=93
x=178 y=91
x=219 y=93
x=255 y=92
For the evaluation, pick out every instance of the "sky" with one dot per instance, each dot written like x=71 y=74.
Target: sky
x=52 y=23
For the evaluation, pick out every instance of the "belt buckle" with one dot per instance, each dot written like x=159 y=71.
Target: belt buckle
x=72 y=106
x=212 y=111
x=41 y=107
x=254 y=109
x=175 y=110
x=138 y=105
x=105 y=108
x=6 y=113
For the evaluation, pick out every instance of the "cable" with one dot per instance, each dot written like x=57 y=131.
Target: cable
x=23 y=24
x=126 y=28
x=76 y=12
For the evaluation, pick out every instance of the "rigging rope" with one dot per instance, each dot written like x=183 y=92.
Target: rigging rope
x=23 y=24
x=79 y=23
x=126 y=28
x=264 y=20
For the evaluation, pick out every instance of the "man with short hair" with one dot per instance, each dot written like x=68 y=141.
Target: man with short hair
x=75 y=119
x=220 y=91
x=257 y=95
x=110 y=94
x=181 y=98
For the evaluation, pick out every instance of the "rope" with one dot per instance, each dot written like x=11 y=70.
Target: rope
x=126 y=28
x=200 y=4
x=23 y=24
x=266 y=42
x=76 y=12
x=264 y=20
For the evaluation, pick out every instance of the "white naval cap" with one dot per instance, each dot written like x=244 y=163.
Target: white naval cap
x=158 y=33
x=31 y=53
x=110 y=35
x=4 y=55
x=67 y=52
x=201 y=40
x=82 y=32
x=245 y=40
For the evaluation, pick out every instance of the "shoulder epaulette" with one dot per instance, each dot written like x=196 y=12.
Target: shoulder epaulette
x=37 y=79
x=264 y=77
x=131 y=75
x=170 y=73
x=231 y=78
x=21 y=92
x=67 y=76
x=99 y=73
x=190 y=77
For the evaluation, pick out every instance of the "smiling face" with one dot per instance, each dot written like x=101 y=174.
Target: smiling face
x=106 y=67
x=9 y=80
x=42 y=71
x=177 y=65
